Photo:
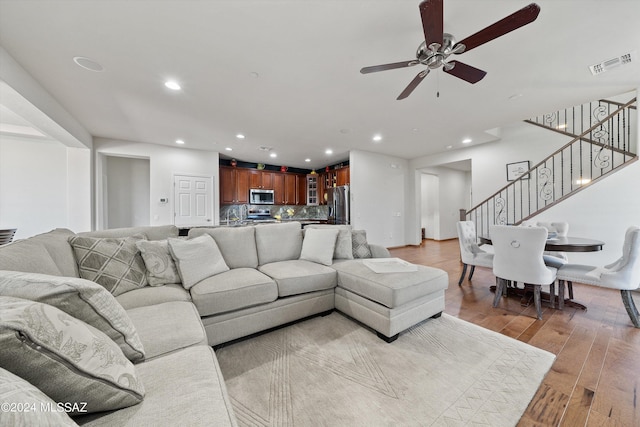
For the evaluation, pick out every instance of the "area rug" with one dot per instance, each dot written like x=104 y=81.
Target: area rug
x=332 y=371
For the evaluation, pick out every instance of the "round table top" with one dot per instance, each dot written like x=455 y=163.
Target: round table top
x=564 y=244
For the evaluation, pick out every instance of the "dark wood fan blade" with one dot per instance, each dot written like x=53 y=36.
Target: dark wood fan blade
x=376 y=68
x=414 y=83
x=431 y=13
x=524 y=16
x=466 y=72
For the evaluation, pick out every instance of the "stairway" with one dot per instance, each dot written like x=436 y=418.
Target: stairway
x=603 y=136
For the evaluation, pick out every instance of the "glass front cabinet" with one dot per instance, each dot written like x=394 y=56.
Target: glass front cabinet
x=312 y=190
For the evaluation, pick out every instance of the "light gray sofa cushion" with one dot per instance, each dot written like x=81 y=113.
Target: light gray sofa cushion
x=197 y=259
x=318 y=246
x=56 y=242
x=390 y=289
x=81 y=299
x=278 y=242
x=344 y=245
x=153 y=232
x=27 y=256
x=153 y=295
x=15 y=390
x=237 y=244
x=298 y=276
x=185 y=388
x=232 y=290
x=64 y=357
x=167 y=327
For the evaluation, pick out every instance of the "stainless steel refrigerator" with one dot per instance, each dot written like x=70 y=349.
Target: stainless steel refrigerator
x=338 y=202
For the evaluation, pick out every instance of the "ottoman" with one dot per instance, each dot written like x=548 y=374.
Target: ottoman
x=389 y=303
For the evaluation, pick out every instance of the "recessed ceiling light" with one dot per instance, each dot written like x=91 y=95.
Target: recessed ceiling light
x=240 y=136
x=328 y=151
x=466 y=140
x=88 y=64
x=179 y=141
x=307 y=160
x=562 y=126
x=273 y=155
x=377 y=138
x=229 y=149
x=172 y=84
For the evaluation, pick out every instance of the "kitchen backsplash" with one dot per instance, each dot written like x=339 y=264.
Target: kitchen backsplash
x=277 y=211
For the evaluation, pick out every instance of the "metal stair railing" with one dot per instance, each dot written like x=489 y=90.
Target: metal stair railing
x=604 y=147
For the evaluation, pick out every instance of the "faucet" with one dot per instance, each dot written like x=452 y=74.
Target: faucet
x=244 y=210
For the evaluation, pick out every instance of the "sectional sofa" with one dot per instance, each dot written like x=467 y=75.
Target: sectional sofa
x=116 y=327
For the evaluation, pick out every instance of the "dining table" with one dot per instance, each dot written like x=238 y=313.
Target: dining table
x=553 y=244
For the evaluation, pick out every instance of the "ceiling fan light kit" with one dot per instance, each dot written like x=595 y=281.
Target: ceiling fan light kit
x=437 y=46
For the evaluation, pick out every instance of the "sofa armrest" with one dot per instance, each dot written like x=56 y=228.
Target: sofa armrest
x=378 y=251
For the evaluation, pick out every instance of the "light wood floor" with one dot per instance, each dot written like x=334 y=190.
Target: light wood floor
x=595 y=378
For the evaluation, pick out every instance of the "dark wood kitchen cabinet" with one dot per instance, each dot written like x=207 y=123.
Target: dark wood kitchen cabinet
x=234 y=185
x=342 y=176
x=261 y=179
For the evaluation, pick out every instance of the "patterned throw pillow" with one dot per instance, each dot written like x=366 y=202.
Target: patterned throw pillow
x=361 y=248
x=64 y=357
x=113 y=263
x=197 y=259
x=80 y=298
x=161 y=269
x=28 y=406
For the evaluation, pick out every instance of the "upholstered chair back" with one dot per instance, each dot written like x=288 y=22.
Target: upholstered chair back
x=518 y=254
x=468 y=241
x=561 y=228
x=625 y=272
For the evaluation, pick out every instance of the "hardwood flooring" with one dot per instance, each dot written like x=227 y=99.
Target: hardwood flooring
x=595 y=378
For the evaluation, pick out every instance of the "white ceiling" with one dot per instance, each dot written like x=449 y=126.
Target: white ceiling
x=309 y=94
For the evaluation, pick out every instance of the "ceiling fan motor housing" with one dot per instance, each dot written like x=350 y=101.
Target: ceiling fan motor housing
x=435 y=55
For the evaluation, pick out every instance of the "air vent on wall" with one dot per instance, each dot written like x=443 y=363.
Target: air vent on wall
x=607 y=65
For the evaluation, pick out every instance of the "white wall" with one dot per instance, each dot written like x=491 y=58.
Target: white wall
x=451 y=195
x=43 y=185
x=378 y=202
x=164 y=162
x=430 y=205
x=128 y=192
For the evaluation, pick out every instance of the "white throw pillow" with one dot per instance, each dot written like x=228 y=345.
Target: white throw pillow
x=318 y=245
x=197 y=259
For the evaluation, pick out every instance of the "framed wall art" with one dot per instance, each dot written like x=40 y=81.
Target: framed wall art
x=515 y=170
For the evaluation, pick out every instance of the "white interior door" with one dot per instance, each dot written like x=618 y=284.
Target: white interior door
x=193 y=201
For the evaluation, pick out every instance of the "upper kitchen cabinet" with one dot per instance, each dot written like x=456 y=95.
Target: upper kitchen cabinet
x=286 y=189
x=261 y=179
x=342 y=176
x=234 y=185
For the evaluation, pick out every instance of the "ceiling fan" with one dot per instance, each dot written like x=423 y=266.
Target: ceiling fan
x=438 y=45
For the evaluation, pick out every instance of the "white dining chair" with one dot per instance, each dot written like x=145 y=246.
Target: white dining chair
x=470 y=253
x=518 y=258
x=555 y=258
x=623 y=274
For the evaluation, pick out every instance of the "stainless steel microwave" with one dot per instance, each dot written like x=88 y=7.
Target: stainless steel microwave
x=259 y=196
